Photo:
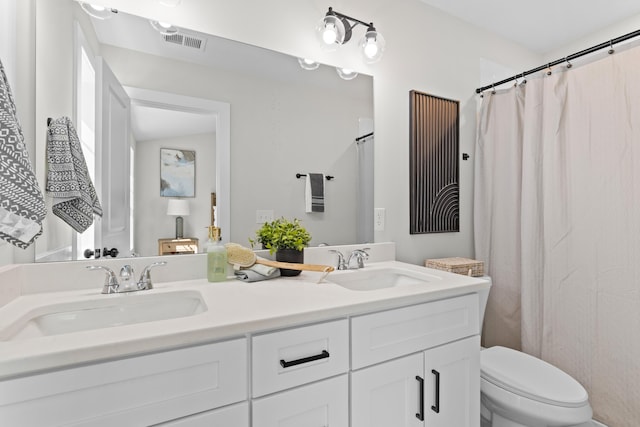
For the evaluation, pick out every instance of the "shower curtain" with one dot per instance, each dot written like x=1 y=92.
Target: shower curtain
x=557 y=222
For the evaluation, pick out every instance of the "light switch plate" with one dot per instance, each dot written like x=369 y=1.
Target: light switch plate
x=378 y=219
x=263 y=216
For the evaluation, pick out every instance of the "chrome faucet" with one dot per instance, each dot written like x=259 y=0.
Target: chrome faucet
x=127 y=282
x=356 y=258
x=342 y=265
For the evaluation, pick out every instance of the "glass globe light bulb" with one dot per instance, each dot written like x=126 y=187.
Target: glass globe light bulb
x=370 y=48
x=330 y=34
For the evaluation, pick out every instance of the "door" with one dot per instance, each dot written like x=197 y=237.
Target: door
x=113 y=165
x=452 y=384
x=388 y=394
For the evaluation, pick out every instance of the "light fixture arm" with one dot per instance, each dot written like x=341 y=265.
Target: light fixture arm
x=343 y=16
x=349 y=23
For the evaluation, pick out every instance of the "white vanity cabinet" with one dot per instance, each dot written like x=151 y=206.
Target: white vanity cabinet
x=137 y=391
x=417 y=366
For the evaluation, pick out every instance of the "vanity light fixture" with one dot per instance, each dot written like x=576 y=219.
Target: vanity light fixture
x=346 y=73
x=164 y=28
x=97 y=11
x=308 y=64
x=336 y=29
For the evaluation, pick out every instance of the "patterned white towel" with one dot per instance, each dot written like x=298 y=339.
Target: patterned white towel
x=22 y=206
x=68 y=181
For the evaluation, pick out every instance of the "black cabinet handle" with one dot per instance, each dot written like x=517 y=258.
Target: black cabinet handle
x=436 y=408
x=420 y=415
x=322 y=355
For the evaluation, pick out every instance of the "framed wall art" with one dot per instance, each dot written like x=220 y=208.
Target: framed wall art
x=177 y=173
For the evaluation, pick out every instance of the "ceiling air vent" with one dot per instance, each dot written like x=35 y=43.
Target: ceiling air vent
x=186 y=41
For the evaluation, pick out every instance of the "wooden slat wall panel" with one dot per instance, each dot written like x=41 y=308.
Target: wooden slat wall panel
x=434 y=186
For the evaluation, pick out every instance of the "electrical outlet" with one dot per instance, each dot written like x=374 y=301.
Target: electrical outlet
x=263 y=216
x=378 y=219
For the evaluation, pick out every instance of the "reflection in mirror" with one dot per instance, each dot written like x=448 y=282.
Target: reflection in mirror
x=284 y=120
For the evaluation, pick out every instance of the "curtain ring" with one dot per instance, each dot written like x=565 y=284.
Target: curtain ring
x=524 y=79
x=569 y=65
x=493 y=89
x=549 y=69
x=611 y=49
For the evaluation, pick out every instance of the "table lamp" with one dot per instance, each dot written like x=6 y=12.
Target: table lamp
x=179 y=208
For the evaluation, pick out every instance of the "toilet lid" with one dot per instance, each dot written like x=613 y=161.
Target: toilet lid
x=531 y=377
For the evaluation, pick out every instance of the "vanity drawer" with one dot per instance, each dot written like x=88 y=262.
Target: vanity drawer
x=142 y=390
x=232 y=416
x=384 y=335
x=292 y=357
x=325 y=403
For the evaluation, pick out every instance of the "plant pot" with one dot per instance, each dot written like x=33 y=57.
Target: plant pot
x=289 y=255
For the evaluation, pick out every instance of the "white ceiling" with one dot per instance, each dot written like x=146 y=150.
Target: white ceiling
x=540 y=25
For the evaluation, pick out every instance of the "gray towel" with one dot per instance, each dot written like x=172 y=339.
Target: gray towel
x=68 y=181
x=314 y=193
x=22 y=207
x=257 y=273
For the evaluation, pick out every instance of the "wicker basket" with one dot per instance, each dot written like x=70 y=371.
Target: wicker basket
x=466 y=266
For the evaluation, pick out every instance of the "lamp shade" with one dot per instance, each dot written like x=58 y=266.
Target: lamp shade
x=164 y=28
x=346 y=73
x=178 y=207
x=97 y=11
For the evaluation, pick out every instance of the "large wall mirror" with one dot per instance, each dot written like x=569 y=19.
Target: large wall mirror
x=251 y=118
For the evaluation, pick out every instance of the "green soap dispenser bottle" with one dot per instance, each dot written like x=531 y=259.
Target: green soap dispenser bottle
x=216 y=257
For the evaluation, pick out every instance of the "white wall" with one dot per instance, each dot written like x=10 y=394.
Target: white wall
x=151 y=221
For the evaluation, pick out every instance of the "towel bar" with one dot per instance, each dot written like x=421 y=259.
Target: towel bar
x=300 y=175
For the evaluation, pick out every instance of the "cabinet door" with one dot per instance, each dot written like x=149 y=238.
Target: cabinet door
x=452 y=384
x=388 y=394
x=321 y=404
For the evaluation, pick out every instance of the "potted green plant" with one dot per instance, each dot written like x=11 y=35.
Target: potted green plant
x=287 y=238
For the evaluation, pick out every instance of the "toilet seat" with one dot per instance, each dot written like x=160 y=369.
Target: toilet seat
x=531 y=378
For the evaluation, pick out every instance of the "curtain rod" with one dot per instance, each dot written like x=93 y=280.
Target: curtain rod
x=592 y=49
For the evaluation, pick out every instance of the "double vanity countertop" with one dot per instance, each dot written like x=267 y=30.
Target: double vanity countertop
x=233 y=309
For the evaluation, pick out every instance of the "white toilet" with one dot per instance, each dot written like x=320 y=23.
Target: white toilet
x=519 y=390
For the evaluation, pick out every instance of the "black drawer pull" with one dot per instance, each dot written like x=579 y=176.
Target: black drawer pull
x=420 y=415
x=436 y=408
x=322 y=355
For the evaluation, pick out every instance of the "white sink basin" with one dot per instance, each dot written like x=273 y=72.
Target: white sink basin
x=104 y=311
x=374 y=278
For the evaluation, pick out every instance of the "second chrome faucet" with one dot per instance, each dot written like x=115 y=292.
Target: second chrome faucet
x=354 y=261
